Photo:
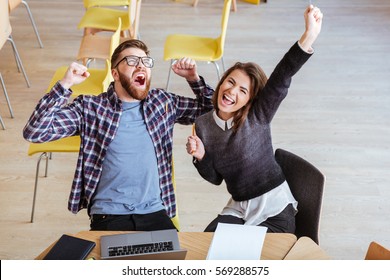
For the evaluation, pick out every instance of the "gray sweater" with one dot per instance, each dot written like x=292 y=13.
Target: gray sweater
x=245 y=159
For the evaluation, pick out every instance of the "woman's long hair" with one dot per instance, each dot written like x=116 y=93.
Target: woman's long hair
x=257 y=79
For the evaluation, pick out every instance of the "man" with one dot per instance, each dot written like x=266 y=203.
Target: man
x=124 y=169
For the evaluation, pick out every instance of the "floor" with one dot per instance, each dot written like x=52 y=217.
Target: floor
x=337 y=114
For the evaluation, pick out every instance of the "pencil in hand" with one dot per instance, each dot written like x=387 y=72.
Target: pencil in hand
x=193 y=134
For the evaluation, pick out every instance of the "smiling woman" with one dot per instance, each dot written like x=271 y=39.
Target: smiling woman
x=233 y=142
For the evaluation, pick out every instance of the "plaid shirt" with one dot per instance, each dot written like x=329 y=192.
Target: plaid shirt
x=96 y=120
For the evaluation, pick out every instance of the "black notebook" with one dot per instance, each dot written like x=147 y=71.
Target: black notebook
x=70 y=248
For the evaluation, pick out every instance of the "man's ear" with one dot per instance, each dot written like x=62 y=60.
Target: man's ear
x=115 y=74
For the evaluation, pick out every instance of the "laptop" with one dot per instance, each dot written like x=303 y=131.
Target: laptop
x=145 y=245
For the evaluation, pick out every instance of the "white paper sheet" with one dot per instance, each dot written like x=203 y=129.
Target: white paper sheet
x=237 y=242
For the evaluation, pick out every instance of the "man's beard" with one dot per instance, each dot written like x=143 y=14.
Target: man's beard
x=133 y=91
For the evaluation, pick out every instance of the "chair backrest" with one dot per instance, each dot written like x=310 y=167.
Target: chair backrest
x=115 y=41
x=115 y=38
x=12 y=4
x=224 y=24
x=134 y=16
x=307 y=186
x=377 y=252
x=5 y=25
x=108 y=78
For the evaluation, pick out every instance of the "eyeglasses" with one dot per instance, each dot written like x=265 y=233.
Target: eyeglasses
x=133 y=60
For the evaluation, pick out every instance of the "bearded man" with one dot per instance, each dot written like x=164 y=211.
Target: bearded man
x=124 y=170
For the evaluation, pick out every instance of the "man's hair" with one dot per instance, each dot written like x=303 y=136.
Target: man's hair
x=132 y=43
x=257 y=79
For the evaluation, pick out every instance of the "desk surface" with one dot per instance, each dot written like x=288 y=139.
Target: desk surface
x=276 y=245
x=306 y=249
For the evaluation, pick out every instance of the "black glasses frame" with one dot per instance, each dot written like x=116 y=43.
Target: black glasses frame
x=142 y=58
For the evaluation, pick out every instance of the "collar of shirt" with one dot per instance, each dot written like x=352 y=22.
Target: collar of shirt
x=224 y=125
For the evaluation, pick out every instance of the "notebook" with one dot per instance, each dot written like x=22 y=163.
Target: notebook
x=146 y=245
x=70 y=248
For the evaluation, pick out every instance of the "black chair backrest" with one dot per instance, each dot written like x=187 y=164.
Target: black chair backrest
x=307 y=185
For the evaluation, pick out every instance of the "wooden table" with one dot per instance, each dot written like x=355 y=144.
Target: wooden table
x=276 y=245
x=306 y=249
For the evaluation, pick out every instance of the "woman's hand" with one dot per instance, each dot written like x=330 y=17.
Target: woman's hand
x=195 y=147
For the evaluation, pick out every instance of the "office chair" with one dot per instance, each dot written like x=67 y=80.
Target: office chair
x=14 y=4
x=376 y=251
x=95 y=46
x=64 y=145
x=307 y=185
x=5 y=35
x=197 y=47
x=98 y=19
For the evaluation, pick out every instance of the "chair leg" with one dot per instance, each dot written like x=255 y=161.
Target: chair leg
x=169 y=74
x=6 y=96
x=217 y=67
x=43 y=155
x=19 y=61
x=2 y=123
x=33 y=23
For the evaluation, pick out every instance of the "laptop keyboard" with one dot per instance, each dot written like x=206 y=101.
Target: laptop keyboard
x=140 y=248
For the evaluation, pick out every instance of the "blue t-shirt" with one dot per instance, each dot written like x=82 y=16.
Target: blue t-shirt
x=129 y=183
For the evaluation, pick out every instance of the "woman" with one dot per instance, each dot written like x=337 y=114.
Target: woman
x=233 y=142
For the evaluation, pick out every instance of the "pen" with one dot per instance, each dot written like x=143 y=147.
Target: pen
x=193 y=134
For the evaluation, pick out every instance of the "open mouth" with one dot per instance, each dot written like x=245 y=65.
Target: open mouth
x=228 y=100
x=140 y=79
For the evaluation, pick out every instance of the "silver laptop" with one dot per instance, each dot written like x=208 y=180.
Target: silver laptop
x=145 y=245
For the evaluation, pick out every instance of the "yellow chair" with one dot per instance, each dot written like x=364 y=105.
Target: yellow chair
x=234 y=4
x=98 y=19
x=5 y=35
x=14 y=4
x=96 y=3
x=65 y=145
x=377 y=252
x=197 y=47
x=96 y=83
x=95 y=46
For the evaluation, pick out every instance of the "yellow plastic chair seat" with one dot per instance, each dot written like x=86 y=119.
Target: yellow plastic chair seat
x=64 y=145
x=196 y=47
x=104 y=18
x=92 y=85
x=94 y=3
x=95 y=84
